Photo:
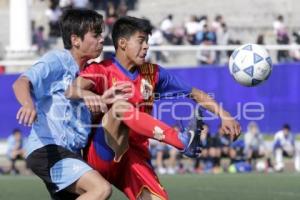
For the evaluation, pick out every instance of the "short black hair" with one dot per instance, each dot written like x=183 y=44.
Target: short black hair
x=16 y=130
x=286 y=126
x=127 y=26
x=79 y=22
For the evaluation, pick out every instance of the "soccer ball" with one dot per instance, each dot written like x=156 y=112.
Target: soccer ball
x=261 y=166
x=250 y=64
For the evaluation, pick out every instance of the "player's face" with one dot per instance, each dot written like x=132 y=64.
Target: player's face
x=286 y=131
x=92 y=45
x=137 y=47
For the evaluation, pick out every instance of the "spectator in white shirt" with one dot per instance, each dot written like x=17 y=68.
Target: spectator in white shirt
x=283 y=145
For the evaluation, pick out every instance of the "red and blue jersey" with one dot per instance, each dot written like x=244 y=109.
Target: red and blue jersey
x=149 y=81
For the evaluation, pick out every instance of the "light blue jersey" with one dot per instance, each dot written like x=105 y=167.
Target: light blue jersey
x=59 y=120
x=11 y=145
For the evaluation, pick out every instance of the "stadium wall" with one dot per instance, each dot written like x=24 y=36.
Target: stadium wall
x=271 y=104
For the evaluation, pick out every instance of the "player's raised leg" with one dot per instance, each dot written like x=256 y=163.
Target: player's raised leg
x=147 y=125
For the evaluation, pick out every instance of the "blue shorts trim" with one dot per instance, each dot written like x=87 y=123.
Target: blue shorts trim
x=67 y=171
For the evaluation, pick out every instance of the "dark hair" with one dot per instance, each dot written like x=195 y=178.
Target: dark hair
x=170 y=16
x=79 y=22
x=260 y=39
x=16 y=130
x=127 y=26
x=218 y=17
x=286 y=126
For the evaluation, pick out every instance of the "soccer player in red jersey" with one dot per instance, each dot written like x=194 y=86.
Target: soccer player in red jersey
x=119 y=148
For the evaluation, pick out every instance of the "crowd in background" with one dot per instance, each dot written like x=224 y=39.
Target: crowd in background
x=195 y=30
x=249 y=153
x=200 y=30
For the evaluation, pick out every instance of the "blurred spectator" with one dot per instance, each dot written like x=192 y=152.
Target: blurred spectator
x=236 y=151
x=192 y=27
x=110 y=9
x=122 y=9
x=206 y=57
x=217 y=28
x=295 y=53
x=53 y=13
x=109 y=22
x=206 y=38
x=204 y=163
x=156 y=39
x=222 y=141
x=254 y=143
x=217 y=23
x=15 y=149
x=111 y=17
x=179 y=34
x=167 y=28
x=39 y=40
x=165 y=157
x=260 y=39
x=219 y=147
x=283 y=145
x=282 y=37
x=206 y=35
x=222 y=39
x=279 y=26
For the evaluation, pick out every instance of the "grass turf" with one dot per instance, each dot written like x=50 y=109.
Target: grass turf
x=188 y=187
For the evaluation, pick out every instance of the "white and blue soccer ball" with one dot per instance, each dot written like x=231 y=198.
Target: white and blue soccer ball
x=250 y=64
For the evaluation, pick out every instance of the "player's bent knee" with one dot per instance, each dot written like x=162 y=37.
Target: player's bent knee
x=94 y=184
x=103 y=191
x=101 y=188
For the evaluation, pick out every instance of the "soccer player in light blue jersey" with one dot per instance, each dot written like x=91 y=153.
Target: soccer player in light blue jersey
x=60 y=127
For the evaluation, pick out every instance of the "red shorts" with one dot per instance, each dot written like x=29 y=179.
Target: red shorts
x=131 y=174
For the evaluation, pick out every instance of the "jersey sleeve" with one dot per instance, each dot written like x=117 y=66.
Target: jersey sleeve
x=169 y=86
x=98 y=75
x=44 y=78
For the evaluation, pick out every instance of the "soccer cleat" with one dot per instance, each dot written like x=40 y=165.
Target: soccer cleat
x=191 y=136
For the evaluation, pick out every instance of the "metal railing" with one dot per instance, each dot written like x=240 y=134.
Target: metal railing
x=165 y=48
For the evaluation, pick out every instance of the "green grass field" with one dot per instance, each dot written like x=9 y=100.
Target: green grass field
x=285 y=186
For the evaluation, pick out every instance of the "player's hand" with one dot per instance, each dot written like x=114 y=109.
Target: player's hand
x=230 y=126
x=120 y=91
x=95 y=103
x=26 y=114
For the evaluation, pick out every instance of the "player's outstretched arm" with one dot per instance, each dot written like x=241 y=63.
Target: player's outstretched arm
x=81 y=89
x=27 y=113
x=229 y=124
